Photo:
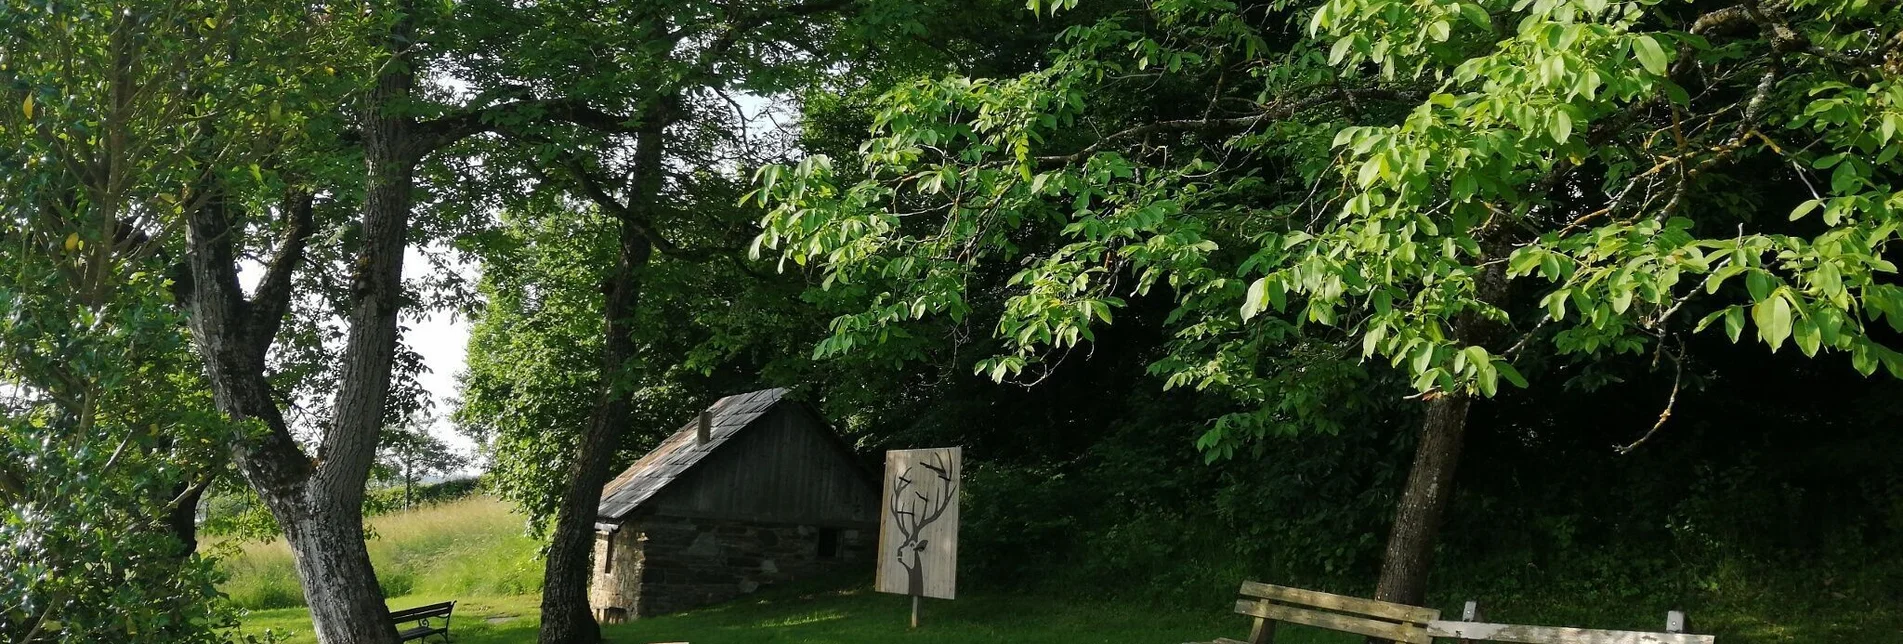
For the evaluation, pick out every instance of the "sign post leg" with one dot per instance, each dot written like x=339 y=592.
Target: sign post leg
x=915 y=611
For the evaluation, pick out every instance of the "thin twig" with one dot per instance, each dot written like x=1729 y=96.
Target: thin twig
x=1678 y=377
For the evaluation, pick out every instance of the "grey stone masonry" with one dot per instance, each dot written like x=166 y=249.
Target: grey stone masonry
x=663 y=564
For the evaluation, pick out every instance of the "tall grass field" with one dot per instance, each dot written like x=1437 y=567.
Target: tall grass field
x=475 y=546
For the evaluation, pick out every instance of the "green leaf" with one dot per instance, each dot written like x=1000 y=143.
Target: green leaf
x=1650 y=54
x=1257 y=298
x=1621 y=299
x=1808 y=337
x=1512 y=375
x=1423 y=358
x=1340 y=51
x=1734 y=323
x=1862 y=358
x=1805 y=209
x=1476 y=14
x=1773 y=317
x=1370 y=170
x=1758 y=283
x=1562 y=126
x=1718 y=277
x=1371 y=341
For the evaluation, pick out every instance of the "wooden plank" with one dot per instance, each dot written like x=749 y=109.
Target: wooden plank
x=1524 y=634
x=1334 y=621
x=1469 y=613
x=918 y=553
x=1263 y=632
x=1385 y=610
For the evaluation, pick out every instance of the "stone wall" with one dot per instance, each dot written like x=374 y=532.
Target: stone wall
x=616 y=587
x=668 y=564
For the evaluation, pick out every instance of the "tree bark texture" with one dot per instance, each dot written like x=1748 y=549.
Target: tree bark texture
x=566 y=618
x=1430 y=481
x=1417 y=518
x=323 y=523
x=317 y=501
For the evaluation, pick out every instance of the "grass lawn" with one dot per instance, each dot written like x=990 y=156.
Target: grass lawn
x=856 y=616
x=474 y=551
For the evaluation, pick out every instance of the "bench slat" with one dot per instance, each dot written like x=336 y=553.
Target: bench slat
x=433 y=610
x=1524 y=634
x=1387 y=610
x=1349 y=623
x=415 y=633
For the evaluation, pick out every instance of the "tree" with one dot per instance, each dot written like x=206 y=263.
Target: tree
x=681 y=63
x=318 y=501
x=409 y=453
x=1415 y=176
x=107 y=440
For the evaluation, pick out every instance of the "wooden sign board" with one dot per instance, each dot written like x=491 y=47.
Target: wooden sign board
x=918 y=533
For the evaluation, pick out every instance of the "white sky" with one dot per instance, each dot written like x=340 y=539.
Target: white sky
x=442 y=339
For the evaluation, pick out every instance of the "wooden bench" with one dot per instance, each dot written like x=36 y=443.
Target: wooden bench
x=1471 y=629
x=1270 y=604
x=420 y=618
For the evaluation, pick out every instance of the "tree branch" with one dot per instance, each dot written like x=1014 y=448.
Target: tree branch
x=436 y=134
x=1277 y=111
x=591 y=187
x=265 y=315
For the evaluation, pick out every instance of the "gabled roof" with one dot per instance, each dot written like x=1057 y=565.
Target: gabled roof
x=679 y=453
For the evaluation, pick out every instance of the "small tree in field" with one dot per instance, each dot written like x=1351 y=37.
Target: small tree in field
x=409 y=453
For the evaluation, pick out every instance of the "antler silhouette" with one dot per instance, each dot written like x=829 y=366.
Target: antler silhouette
x=912 y=515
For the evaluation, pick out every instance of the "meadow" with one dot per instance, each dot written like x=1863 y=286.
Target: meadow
x=474 y=551
x=472 y=547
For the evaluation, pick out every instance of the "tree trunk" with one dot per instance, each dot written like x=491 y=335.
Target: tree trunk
x=566 y=618
x=183 y=520
x=1429 y=485
x=1430 y=481
x=322 y=519
x=339 y=582
x=318 y=501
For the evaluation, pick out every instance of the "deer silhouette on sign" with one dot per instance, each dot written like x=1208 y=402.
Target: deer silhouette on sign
x=920 y=496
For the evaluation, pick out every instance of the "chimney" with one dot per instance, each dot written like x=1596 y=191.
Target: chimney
x=706 y=432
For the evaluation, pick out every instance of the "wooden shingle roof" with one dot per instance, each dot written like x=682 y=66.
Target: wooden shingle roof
x=679 y=453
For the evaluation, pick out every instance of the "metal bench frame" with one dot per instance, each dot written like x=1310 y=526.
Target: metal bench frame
x=421 y=616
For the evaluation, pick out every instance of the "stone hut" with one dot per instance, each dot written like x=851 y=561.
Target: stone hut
x=755 y=491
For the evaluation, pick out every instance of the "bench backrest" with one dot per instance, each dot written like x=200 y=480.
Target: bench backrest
x=422 y=612
x=1269 y=604
x=1524 y=634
